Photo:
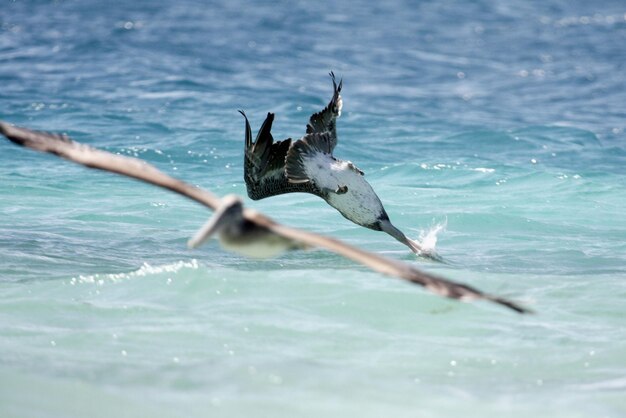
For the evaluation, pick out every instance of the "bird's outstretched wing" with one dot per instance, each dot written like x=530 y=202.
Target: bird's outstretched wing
x=64 y=147
x=264 y=164
x=326 y=120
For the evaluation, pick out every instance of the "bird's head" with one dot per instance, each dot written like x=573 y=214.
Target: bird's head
x=229 y=213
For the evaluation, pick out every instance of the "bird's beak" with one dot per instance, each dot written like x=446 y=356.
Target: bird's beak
x=222 y=216
x=204 y=233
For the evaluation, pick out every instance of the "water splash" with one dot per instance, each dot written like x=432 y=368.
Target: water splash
x=428 y=238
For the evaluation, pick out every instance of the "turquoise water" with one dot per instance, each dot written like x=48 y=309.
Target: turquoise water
x=504 y=121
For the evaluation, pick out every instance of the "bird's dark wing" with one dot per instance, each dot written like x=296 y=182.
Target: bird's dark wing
x=326 y=120
x=302 y=149
x=64 y=147
x=264 y=164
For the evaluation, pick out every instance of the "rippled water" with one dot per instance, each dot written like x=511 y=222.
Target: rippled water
x=502 y=120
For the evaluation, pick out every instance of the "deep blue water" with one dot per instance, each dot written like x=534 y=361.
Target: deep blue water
x=502 y=120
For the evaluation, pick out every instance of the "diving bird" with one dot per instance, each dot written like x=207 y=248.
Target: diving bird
x=307 y=165
x=241 y=229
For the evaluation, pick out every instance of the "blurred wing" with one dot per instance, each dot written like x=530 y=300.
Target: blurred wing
x=64 y=147
x=387 y=266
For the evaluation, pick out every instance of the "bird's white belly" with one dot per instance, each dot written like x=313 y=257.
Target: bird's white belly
x=269 y=247
x=360 y=204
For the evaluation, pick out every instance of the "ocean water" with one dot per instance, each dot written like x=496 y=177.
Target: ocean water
x=503 y=121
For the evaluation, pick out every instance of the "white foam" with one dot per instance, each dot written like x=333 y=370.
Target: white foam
x=483 y=170
x=145 y=270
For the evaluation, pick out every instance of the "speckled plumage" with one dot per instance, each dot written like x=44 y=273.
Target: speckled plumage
x=308 y=165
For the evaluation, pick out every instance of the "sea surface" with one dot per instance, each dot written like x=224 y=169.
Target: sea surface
x=502 y=121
